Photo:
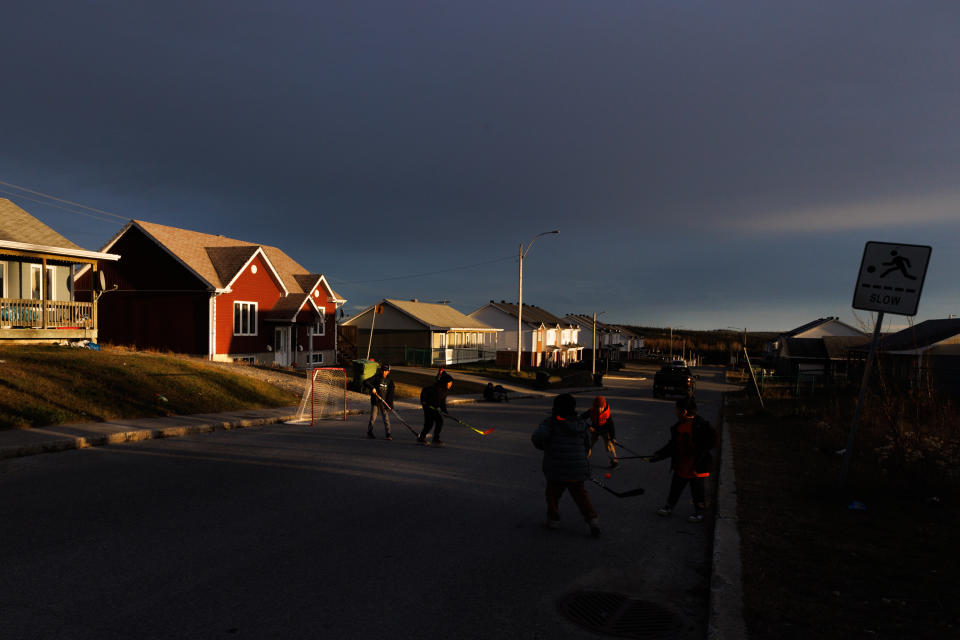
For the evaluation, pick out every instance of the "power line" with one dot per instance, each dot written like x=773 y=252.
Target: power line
x=419 y=275
x=75 y=204
x=50 y=204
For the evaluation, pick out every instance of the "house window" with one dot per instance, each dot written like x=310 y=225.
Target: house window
x=50 y=286
x=244 y=318
x=316 y=358
x=320 y=326
x=3 y=279
x=37 y=284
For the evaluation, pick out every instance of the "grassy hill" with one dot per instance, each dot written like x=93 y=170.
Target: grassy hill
x=42 y=385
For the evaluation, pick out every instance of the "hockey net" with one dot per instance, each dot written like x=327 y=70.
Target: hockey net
x=324 y=396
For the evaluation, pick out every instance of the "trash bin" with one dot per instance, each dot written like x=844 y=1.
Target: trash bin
x=543 y=379
x=363 y=369
x=598 y=379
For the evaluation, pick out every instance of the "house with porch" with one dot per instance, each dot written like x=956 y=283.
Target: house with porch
x=547 y=340
x=634 y=344
x=423 y=333
x=226 y=299
x=610 y=340
x=38 y=294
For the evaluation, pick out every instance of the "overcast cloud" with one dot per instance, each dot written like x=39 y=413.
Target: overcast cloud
x=707 y=164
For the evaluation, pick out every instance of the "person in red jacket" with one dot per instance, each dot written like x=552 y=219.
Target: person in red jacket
x=601 y=426
x=691 y=439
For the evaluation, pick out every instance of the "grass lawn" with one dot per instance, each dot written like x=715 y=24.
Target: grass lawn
x=44 y=385
x=814 y=568
x=408 y=384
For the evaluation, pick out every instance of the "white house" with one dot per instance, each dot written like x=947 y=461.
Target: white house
x=547 y=340
x=611 y=343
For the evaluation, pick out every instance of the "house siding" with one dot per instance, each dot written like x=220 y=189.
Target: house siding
x=159 y=303
x=260 y=287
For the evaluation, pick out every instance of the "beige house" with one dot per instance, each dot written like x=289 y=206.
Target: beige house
x=422 y=333
x=38 y=296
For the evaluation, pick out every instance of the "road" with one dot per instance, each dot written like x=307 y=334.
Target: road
x=316 y=532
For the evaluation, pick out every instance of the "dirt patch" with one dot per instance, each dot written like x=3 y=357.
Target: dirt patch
x=813 y=567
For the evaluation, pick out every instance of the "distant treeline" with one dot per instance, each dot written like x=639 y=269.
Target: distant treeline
x=713 y=347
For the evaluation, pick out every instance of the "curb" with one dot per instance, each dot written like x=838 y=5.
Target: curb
x=725 y=616
x=67 y=443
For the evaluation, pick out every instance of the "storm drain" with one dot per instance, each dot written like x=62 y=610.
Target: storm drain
x=616 y=614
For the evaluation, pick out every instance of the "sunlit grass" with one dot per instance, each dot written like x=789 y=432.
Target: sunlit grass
x=42 y=385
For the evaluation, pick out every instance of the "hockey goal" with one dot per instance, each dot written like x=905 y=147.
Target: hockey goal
x=324 y=396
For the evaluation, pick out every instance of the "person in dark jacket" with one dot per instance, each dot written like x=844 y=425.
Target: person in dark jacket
x=433 y=398
x=601 y=426
x=691 y=439
x=565 y=440
x=380 y=387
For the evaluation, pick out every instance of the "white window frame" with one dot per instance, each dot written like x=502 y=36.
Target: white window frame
x=250 y=309
x=316 y=357
x=50 y=275
x=3 y=280
x=38 y=269
x=319 y=327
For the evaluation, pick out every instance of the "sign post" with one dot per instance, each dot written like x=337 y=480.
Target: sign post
x=890 y=281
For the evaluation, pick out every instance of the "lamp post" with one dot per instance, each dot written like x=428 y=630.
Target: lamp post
x=593 y=367
x=523 y=253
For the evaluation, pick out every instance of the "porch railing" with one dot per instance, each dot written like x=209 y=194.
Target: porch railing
x=45 y=314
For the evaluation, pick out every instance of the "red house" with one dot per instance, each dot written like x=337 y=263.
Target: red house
x=189 y=292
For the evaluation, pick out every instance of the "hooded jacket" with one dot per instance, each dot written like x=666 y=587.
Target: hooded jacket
x=689 y=456
x=600 y=418
x=435 y=395
x=564 y=442
x=383 y=385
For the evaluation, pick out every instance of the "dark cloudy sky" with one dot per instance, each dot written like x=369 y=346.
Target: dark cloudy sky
x=707 y=163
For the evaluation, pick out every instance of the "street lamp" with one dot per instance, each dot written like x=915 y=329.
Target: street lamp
x=523 y=253
x=593 y=367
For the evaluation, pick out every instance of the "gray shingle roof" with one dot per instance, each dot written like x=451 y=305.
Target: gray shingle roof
x=531 y=314
x=925 y=334
x=440 y=316
x=16 y=225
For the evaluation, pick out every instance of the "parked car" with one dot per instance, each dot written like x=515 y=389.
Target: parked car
x=674 y=380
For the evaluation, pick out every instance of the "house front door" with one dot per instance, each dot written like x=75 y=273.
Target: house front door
x=281 y=346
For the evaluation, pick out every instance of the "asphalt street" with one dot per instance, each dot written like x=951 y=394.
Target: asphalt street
x=287 y=531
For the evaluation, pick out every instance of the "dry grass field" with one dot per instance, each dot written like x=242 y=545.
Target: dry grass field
x=813 y=567
x=44 y=385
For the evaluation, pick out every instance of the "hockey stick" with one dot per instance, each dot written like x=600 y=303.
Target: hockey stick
x=394 y=411
x=642 y=458
x=626 y=448
x=620 y=494
x=458 y=420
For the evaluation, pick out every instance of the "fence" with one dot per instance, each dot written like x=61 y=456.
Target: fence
x=431 y=357
x=51 y=314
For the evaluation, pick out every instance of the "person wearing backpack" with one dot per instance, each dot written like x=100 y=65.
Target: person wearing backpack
x=691 y=440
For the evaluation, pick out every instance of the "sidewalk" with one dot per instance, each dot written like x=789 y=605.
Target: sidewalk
x=27 y=442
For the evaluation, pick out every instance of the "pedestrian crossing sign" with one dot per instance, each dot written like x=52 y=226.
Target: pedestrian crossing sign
x=891 y=277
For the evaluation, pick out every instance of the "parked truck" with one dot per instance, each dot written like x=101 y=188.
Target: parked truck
x=674 y=380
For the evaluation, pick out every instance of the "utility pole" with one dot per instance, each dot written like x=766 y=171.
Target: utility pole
x=523 y=252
